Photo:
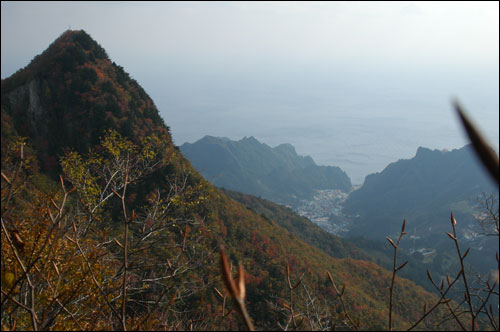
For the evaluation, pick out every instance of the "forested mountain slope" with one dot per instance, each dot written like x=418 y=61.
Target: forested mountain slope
x=423 y=190
x=129 y=236
x=278 y=174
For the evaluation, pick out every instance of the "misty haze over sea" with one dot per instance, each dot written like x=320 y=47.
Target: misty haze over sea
x=359 y=121
x=353 y=84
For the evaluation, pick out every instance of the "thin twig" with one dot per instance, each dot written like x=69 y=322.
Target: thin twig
x=125 y=253
x=440 y=301
x=291 y=288
x=340 y=295
x=464 y=278
x=395 y=269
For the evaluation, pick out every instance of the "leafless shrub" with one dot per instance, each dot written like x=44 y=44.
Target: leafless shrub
x=488 y=218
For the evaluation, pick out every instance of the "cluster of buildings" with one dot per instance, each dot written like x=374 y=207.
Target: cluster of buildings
x=323 y=207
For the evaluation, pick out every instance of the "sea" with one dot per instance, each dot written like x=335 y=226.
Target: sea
x=360 y=122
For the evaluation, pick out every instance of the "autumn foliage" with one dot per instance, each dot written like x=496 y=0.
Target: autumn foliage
x=105 y=226
x=63 y=264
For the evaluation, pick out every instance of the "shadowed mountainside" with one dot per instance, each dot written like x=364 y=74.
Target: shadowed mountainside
x=423 y=190
x=248 y=166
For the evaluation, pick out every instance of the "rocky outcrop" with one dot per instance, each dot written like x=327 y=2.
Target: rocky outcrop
x=28 y=97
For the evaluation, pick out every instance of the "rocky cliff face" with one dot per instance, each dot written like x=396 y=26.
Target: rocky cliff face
x=27 y=97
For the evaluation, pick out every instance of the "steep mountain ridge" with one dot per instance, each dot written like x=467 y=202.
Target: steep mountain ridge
x=278 y=174
x=71 y=93
x=430 y=183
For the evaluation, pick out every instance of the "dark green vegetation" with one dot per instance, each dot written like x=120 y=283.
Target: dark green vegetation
x=128 y=237
x=423 y=190
x=248 y=166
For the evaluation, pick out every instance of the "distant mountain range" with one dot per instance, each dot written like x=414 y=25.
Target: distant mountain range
x=423 y=190
x=278 y=174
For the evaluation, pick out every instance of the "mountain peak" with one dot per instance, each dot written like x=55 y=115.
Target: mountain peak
x=211 y=139
x=69 y=35
x=83 y=39
x=422 y=152
x=73 y=48
x=74 y=93
x=250 y=139
x=286 y=147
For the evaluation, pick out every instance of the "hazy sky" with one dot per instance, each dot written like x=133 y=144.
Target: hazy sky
x=277 y=70
x=217 y=34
